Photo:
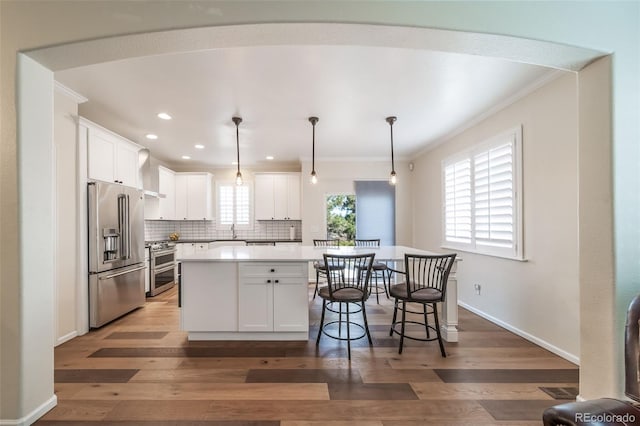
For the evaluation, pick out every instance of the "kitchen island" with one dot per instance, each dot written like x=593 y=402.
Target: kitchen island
x=261 y=292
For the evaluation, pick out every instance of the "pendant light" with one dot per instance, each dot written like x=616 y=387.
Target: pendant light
x=314 y=177
x=237 y=121
x=392 y=176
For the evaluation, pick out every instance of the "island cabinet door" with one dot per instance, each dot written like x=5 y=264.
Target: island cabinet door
x=290 y=305
x=255 y=304
x=209 y=296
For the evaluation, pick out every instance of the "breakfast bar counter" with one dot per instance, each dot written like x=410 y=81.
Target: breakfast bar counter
x=261 y=292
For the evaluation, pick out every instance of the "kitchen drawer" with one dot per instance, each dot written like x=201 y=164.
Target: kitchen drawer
x=273 y=269
x=272 y=280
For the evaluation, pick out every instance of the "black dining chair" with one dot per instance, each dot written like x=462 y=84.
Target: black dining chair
x=378 y=269
x=319 y=266
x=347 y=283
x=425 y=283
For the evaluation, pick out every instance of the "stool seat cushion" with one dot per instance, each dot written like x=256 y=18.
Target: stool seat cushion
x=342 y=295
x=399 y=291
x=379 y=266
x=321 y=266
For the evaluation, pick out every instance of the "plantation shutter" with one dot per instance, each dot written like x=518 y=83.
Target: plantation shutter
x=242 y=205
x=458 y=201
x=494 y=196
x=225 y=204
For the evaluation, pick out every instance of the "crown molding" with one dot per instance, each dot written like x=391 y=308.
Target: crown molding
x=62 y=89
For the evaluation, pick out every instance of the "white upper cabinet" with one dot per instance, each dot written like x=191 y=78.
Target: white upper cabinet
x=111 y=158
x=277 y=196
x=194 y=200
x=166 y=187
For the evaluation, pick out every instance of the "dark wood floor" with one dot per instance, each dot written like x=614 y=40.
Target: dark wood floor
x=141 y=370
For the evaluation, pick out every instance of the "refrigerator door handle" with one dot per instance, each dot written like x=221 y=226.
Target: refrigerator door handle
x=123 y=224
x=108 y=277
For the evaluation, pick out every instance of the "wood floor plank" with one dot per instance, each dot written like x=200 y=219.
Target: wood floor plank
x=118 y=363
x=158 y=423
x=138 y=335
x=432 y=412
x=205 y=391
x=479 y=391
x=187 y=352
x=326 y=375
x=331 y=423
x=266 y=363
x=93 y=375
x=371 y=391
x=508 y=375
x=388 y=375
x=192 y=375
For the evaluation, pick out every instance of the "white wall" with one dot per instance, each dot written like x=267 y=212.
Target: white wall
x=596 y=242
x=539 y=297
x=66 y=259
x=35 y=373
x=338 y=177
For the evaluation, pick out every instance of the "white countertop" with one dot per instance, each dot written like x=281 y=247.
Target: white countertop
x=294 y=253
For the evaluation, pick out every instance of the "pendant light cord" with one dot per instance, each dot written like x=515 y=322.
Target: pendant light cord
x=238 y=144
x=313 y=148
x=393 y=169
x=392 y=120
x=313 y=121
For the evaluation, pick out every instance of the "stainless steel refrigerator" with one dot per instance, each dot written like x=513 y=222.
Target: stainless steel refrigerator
x=116 y=251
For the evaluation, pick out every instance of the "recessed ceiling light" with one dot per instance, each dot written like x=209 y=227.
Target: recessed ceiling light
x=269 y=157
x=164 y=116
x=151 y=136
x=198 y=146
x=186 y=157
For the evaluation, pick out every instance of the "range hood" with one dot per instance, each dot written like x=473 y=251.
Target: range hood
x=149 y=174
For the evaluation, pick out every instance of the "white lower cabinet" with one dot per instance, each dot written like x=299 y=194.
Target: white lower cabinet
x=272 y=297
x=209 y=300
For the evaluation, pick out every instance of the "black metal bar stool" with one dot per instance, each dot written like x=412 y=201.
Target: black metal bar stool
x=319 y=266
x=378 y=269
x=347 y=283
x=426 y=284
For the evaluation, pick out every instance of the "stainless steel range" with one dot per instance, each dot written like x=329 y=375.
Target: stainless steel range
x=163 y=267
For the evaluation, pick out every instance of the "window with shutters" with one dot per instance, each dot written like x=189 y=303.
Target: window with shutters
x=482 y=197
x=234 y=205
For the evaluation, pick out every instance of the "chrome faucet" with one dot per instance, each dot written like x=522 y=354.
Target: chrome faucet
x=233 y=231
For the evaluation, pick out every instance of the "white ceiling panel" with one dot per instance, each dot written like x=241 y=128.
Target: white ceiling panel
x=276 y=88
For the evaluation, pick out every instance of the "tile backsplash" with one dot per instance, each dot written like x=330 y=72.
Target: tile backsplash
x=157 y=230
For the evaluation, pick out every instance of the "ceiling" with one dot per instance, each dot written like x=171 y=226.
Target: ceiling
x=276 y=88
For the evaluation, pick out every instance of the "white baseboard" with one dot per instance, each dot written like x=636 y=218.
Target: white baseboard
x=66 y=338
x=33 y=416
x=561 y=353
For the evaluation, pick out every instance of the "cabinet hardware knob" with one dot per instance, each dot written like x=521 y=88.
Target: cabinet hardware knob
x=273 y=270
x=268 y=281
x=277 y=281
